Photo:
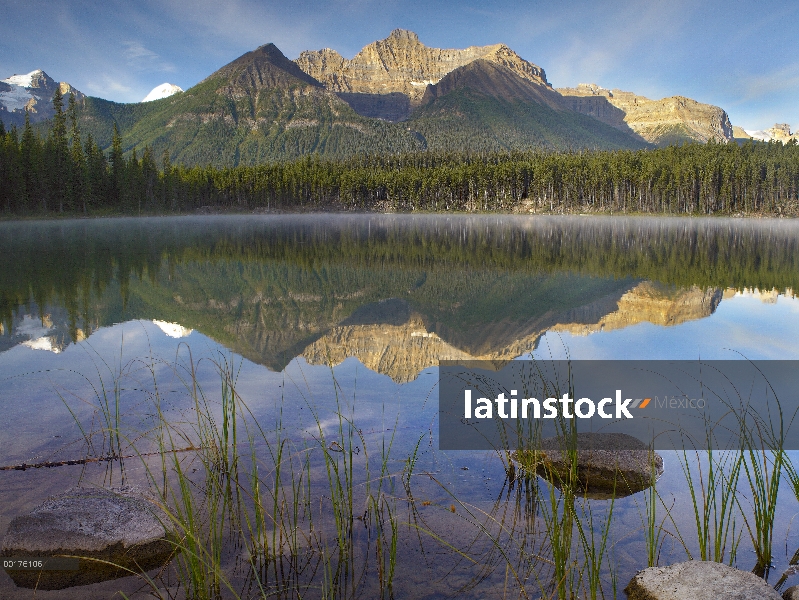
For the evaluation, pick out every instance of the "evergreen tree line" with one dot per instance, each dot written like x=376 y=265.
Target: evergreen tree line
x=66 y=172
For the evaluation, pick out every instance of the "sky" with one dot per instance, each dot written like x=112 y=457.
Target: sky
x=737 y=54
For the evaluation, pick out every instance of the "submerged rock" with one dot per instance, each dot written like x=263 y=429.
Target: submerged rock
x=120 y=526
x=792 y=593
x=698 y=580
x=608 y=464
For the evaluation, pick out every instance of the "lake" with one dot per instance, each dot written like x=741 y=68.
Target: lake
x=282 y=371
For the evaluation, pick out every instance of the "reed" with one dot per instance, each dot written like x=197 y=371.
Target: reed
x=254 y=513
x=713 y=484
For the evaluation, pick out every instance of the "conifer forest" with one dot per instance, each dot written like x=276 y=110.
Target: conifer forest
x=64 y=172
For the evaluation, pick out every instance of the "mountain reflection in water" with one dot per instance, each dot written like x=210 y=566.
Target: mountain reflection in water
x=399 y=293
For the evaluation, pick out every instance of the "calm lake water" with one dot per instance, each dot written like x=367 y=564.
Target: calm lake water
x=332 y=324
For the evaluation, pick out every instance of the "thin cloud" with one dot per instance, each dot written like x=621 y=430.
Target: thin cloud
x=756 y=87
x=140 y=58
x=598 y=42
x=244 y=24
x=107 y=84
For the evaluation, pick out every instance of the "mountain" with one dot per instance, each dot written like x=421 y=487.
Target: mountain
x=265 y=107
x=662 y=122
x=260 y=107
x=165 y=90
x=396 y=95
x=401 y=67
x=32 y=92
x=781 y=132
x=493 y=79
x=487 y=106
x=401 y=344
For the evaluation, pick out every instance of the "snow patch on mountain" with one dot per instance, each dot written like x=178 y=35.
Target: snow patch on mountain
x=19 y=93
x=763 y=136
x=15 y=98
x=165 y=90
x=23 y=80
x=43 y=343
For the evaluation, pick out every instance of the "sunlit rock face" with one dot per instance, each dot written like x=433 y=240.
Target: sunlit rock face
x=399 y=351
x=404 y=349
x=654 y=303
x=657 y=121
x=765 y=296
x=781 y=132
x=401 y=63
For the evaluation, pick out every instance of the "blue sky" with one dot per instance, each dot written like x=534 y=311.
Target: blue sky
x=740 y=55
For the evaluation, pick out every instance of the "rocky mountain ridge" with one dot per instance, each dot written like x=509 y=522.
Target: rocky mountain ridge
x=781 y=132
x=657 y=121
x=403 y=350
x=395 y=95
x=32 y=92
x=262 y=107
x=390 y=78
x=402 y=64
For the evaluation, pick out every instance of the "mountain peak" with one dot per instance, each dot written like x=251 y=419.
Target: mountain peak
x=493 y=78
x=271 y=51
x=265 y=66
x=162 y=91
x=403 y=35
x=402 y=64
x=34 y=79
x=31 y=93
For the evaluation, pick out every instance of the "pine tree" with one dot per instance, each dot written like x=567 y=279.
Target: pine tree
x=30 y=151
x=149 y=174
x=76 y=191
x=95 y=188
x=117 y=167
x=58 y=151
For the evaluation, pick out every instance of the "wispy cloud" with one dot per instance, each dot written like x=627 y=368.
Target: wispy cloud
x=604 y=39
x=764 y=85
x=247 y=24
x=140 y=58
x=105 y=84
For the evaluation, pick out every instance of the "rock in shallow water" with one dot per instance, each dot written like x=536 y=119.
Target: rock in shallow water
x=120 y=526
x=608 y=464
x=698 y=580
x=792 y=593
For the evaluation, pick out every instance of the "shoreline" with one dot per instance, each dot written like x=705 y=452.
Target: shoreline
x=330 y=210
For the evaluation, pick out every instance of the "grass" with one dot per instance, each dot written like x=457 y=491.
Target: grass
x=255 y=513
x=713 y=502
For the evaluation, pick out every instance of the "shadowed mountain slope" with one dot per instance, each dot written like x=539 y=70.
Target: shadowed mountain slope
x=486 y=106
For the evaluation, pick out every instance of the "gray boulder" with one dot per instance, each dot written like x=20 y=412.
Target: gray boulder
x=608 y=464
x=121 y=526
x=698 y=580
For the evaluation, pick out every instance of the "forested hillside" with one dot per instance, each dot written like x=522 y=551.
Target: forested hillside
x=66 y=173
x=262 y=107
